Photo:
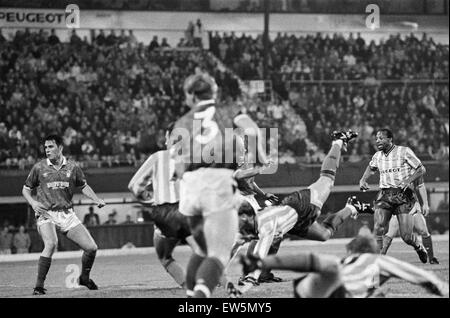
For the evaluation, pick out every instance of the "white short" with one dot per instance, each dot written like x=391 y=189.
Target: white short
x=206 y=191
x=63 y=220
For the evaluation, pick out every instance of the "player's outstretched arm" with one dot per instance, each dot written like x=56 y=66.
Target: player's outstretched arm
x=392 y=267
x=302 y=262
x=87 y=191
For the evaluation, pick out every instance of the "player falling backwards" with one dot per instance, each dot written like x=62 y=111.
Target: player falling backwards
x=207 y=187
x=358 y=275
x=297 y=213
x=399 y=167
x=55 y=179
x=420 y=223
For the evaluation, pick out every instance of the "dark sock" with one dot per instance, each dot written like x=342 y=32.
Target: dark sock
x=331 y=162
x=428 y=243
x=208 y=276
x=379 y=239
x=333 y=221
x=191 y=271
x=43 y=267
x=387 y=241
x=87 y=260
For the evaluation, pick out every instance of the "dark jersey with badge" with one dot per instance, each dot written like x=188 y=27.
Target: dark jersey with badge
x=55 y=187
x=207 y=139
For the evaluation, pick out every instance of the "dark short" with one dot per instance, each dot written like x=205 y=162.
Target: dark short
x=307 y=212
x=170 y=221
x=395 y=200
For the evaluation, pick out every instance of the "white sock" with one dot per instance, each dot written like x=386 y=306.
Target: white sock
x=338 y=142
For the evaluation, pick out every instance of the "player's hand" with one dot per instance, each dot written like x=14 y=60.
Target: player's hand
x=39 y=208
x=272 y=197
x=250 y=263
x=100 y=203
x=363 y=185
x=405 y=185
x=425 y=209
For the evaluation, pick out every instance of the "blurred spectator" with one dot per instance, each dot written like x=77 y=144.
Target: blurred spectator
x=198 y=34
x=91 y=218
x=128 y=220
x=5 y=241
x=22 y=241
x=111 y=218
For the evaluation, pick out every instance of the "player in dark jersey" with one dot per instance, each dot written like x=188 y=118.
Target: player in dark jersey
x=206 y=158
x=358 y=275
x=54 y=180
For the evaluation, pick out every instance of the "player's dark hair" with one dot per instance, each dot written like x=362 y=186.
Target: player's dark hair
x=56 y=138
x=388 y=133
x=202 y=86
x=362 y=244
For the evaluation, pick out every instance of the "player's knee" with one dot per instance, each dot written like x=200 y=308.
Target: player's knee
x=92 y=248
x=51 y=245
x=166 y=261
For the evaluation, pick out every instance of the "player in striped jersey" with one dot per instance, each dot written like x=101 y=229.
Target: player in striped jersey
x=420 y=224
x=153 y=185
x=358 y=275
x=297 y=213
x=399 y=167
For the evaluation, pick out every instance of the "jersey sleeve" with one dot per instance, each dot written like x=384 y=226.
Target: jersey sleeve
x=32 y=180
x=143 y=177
x=412 y=159
x=80 y=178
x=373 y=163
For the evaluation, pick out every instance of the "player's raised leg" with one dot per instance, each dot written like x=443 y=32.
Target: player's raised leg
x=320 y=190
x=47 y=230
x=81 y=236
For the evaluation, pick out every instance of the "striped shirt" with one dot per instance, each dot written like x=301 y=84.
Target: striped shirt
x=55 y=187
x=156 y=172
x=278 y=219
x=362 y=274
x=395 y=166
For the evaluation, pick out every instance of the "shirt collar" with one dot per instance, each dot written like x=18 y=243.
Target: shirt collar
x=205 y=102
x=64 y=162
x=389 y=151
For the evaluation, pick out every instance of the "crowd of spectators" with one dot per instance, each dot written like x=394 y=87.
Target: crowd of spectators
x=310 y=71
x=111 y=98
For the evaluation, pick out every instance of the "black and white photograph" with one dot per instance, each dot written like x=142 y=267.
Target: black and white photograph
x=245 y=151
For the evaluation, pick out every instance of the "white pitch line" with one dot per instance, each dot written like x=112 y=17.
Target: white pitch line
x=151 y=250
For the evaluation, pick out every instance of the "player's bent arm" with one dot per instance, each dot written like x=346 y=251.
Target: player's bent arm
x=247 y=173
x=392 y=267
x=420 y=171
x=370 y=171
x=37 y=206
x=142 y=178
x=251 y=129
x=87 y=191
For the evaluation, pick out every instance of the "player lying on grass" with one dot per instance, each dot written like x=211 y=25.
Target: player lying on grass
x=358 y=275
x=297 y=213
x=420 y=224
